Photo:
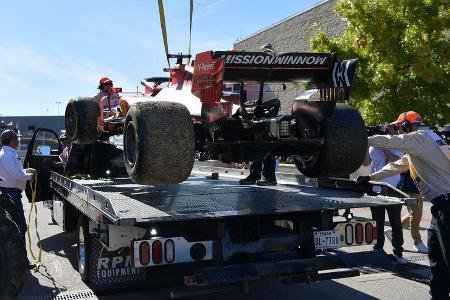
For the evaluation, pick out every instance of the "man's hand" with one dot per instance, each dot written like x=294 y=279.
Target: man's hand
x=31 y=171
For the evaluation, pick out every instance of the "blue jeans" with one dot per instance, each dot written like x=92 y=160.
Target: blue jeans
x=16 y=196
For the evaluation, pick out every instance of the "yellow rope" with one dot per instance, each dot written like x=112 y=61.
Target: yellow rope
x=33 y=185
x=191 y=10
x=162 y=20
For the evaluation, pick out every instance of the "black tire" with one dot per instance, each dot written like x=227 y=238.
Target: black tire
x=81 y=120
x=83 y=248
x=344 y=149
x=13 y=258
x=71 y=216
x=7 y=203
x=159 y=143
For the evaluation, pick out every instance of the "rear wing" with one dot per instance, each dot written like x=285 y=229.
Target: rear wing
x=320 y=70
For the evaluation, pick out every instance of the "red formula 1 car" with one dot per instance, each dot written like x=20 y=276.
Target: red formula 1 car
x=223 y=107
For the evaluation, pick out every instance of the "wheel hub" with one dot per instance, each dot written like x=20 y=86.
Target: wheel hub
x=130 y=144
x=81 y=251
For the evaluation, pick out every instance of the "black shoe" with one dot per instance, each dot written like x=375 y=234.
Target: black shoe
x=378 y=248
x=250 y=179
x=266 y=182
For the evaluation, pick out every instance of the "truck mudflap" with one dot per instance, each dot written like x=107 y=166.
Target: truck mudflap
x=112 y=268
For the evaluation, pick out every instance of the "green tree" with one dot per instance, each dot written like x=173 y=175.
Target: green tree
x=402 y=47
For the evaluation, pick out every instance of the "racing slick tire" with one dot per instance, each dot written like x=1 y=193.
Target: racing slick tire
x=159 y=143
x=344 y=148
x=13 y=257
x=81 y=118
x=83 y=248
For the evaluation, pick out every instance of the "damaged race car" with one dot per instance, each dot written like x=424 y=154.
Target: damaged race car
x=223 y=107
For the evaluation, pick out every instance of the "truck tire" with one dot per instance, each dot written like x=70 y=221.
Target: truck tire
x=344 y=149
x=83 y=248
x=159 y=143
x=7 y=203
x=13 y=258
x=81 y=120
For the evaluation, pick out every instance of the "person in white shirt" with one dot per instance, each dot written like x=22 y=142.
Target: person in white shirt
x=13 y=178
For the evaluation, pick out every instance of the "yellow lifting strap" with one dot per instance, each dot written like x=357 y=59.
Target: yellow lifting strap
x=162 y=20
x=37 y=258
x=191 y=10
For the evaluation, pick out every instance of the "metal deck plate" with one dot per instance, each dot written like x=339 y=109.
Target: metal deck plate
x=199 y=198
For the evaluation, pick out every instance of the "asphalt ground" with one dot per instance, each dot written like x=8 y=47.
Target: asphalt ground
x=57 y=278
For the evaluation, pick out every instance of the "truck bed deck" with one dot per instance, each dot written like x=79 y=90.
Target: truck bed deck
x=124 y=202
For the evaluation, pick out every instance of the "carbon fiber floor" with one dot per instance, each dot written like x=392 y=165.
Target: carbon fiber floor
x=203 y=198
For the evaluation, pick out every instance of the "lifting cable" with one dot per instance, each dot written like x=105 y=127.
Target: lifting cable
x=38 y=257
x=162 y=20
x=191 y=10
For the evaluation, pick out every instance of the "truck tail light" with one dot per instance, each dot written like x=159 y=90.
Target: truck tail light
x=348 y=234
x=359 y=233
x=169 y=251
x=157 y=252
x=144 y=253
x=369 y=233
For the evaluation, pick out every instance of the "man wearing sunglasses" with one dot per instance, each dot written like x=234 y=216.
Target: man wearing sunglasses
x=107 y=93
x=428 y=160
x=108 y=99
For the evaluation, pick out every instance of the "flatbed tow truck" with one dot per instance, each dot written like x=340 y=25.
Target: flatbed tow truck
x=205 y=235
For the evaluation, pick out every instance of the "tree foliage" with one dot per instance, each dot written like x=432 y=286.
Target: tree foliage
x=402 y=47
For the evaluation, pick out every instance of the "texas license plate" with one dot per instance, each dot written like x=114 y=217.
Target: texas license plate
x=327 y=239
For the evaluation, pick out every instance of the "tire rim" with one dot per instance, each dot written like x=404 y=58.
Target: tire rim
x=81 y=251
x=130 y=144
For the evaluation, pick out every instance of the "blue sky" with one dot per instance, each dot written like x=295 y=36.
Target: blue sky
x=53 y=50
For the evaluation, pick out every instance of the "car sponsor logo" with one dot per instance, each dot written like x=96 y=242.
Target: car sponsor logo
x=340 y=74
x=206 y=67
x=267 y=59
x=115 y=266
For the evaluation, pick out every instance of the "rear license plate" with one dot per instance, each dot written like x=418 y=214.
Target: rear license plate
x=327 y=239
